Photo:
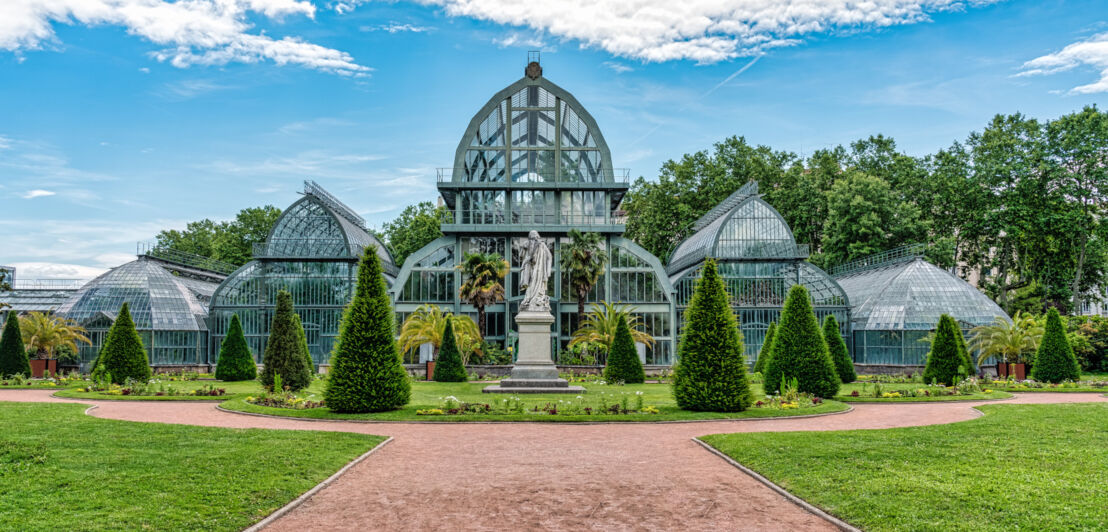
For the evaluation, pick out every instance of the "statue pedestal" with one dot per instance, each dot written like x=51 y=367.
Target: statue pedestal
x=534 y=371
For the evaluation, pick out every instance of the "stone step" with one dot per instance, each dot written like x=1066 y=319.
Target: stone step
x=496 y=388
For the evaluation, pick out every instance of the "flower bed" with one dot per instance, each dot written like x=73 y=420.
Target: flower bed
x=285 y=400
x=152 y=388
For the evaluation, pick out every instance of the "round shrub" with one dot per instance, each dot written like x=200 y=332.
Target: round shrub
x=623 y=360
x=236 y=363
x=13 y=357
x=1055 y=362
x=286 y=350
x=123 y=355
x=366 y=372
x=448 y=367
x=840 y=355
x=947 y=357
x=710 y=374
x=799 y=351
x=767 y=349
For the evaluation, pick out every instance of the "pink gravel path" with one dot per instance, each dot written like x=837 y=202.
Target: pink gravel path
x=549 y=476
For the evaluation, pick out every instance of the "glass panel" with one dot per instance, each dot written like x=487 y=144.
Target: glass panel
x=574 y=131
x=491 y=131
x=533 y=129
x=582 y=166
x=484 y=165
x=532 y=166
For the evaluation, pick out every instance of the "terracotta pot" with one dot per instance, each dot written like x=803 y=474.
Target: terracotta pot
x=1018 y=371
x=430 y=370
x=40 y=366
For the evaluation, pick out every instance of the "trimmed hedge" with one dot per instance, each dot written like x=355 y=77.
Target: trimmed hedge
x=1055 y=362
x=123 y=355
x=840 y=355
x=767 y=349
x=236 y=362
x=13 y=354
x=947 y=354
x=710 y=374
x=366 y=372
x=286 y=350
x=448 y=367
x=800 y=352
x=623 y=360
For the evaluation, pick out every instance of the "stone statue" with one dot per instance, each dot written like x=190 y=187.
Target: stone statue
x=535 y=274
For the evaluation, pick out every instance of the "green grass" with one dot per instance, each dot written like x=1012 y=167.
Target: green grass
x=427 y=395
x=1021 y=467
x=101 y=474
x=865 y=391
x=234 y=389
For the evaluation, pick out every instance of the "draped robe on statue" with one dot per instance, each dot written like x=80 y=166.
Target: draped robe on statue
x=535 y=274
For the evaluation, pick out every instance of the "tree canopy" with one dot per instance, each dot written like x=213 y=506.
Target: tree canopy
x=416 y=227
x=228 y=241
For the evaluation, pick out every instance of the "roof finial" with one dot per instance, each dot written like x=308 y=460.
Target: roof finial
x=533 y=70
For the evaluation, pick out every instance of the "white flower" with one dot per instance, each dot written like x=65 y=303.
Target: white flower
x=638 y=393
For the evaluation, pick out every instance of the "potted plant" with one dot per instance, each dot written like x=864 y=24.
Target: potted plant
x=47 y=337
x=1012 y=342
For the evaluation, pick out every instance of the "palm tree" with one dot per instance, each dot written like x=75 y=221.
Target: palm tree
x=484 y=275
x=45 y=334
x=583 y=261
x=1007 y=340
x=599 y=326
x=426 y=325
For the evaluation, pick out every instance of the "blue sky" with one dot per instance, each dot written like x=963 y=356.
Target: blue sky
x=119 y=118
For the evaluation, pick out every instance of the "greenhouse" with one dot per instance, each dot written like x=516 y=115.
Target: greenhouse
x=759 y=260
x=898 y=297
x=534 y=159
x=312 y=251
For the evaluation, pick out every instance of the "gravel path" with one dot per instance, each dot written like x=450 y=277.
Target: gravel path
x=549 y=476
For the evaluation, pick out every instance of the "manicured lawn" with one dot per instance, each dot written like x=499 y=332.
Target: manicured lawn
x=100 y=474
x=1021 y=467
x=428 y=395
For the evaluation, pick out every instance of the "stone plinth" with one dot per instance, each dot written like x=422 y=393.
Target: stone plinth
x=534 y=371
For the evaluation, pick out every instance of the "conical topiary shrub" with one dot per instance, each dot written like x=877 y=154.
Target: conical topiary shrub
x=710 y=374
x=123 y=355
x=13 y=354
x=286 y=350
x=767 y=349
x=236 y=363
x=1055 y=362
x=623 y=359
x=840 y=355
x=799 y=351
x=366 y=372
x=448 y=367
x=947 y=358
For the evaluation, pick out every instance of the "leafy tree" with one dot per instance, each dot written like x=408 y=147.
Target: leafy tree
x=286 y=350
x=844 y=366
x=710 y=374
x=799 y=351
x=484 y=283
x=1011 y=341
x=865 y=217
x=623 y=359
x=13 y=353
x=449 y=367
x=46 y=334
x=427 y=325
x=602 y=322
x=947 y=359
x=416 y=227
x=366 y=373
x=236 y=362
x=767 y=349
x=123 y=355
x=583 y=261
x=228 y=241
x=1055 y=362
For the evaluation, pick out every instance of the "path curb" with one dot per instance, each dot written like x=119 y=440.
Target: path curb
x=810 y=508
x=310 y=493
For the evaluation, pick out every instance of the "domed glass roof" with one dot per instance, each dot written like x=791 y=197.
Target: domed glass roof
x=159 y=300
x=911 y=295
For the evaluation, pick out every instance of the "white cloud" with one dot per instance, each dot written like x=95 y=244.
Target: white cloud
x=194 y=32
x=706 y=31
x=1091 y=52
x=618 y=67
x=5 y=143
x=518 y=39
x=37 y=193
x=191 y=88
x=395 y=27
x=57 y=270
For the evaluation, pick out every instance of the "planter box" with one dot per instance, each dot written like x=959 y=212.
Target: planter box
x=430 y=370
x=40 y=366
x=1018 y=371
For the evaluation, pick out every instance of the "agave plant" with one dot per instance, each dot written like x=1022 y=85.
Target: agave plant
x=600 y=323
x=46 y=334
x=1011 y=341
x=426 y=325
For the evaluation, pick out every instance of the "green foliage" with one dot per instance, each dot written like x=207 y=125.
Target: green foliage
x=416 y=227
x=947 y=361
x=1093 y=331
x=767 y=349
x=601 y=323
x=448 y=367
x=483 y=284
x=123 y=355
x=710 y=374
x=865 y=216
x=236 y=363
x=366 y=372
x=623 y=360
x=231 y=242
x=799 y=350
x=583 y=262
x=1055 y=362
x=13 y=356
x=286 y=350
x=844 y=366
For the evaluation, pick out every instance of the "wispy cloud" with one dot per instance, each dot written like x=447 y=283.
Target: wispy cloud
x=618 y=67
x=193 y=32
x=516 y=38
x=191 y=88
x=37 y=193
x=396 y=27
x=1092 y=52
x=5 y=143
